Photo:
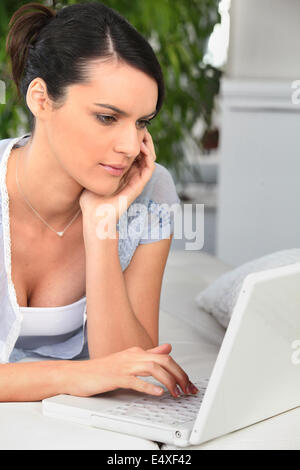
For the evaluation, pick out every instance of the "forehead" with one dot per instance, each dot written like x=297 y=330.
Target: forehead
x=118 y=84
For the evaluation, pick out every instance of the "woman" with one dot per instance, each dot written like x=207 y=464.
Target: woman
x=92 y=84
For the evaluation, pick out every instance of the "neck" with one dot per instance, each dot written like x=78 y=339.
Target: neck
x=45 y=185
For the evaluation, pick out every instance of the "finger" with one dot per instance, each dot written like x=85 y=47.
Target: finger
x=159 y=373
x=168 y=363
x=144 y=149
x=149 y=157
x=147 y=167
x=149 y=142
x=138 y=159
x=143 y=159
x=144 y=387
x=160 y=349
x=148 y=150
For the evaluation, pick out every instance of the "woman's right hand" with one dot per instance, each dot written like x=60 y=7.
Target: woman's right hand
x=119 y=370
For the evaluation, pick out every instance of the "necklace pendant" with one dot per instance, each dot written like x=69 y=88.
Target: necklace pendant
x=60 y=234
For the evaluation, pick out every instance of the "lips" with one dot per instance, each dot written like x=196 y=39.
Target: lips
x=113 y=170
x=112 y=165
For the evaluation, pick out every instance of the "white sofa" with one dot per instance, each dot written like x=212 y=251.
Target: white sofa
x=196 y=338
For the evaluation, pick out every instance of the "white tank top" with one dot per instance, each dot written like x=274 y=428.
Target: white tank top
x=50 y=325
x=51 y=321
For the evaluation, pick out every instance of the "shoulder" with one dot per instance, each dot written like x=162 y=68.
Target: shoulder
x=3 y=144
x=16 y=141
x=161 y=174
x=161 y=186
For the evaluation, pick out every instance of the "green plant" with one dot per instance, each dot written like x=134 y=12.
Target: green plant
x=178 y=30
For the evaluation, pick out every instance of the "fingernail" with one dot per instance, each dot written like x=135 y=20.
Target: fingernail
x=177 y=391
x=191 y=388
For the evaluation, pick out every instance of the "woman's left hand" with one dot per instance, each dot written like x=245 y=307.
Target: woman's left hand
x=131 y=184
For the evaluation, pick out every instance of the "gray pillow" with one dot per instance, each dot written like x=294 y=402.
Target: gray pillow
x=219 y=298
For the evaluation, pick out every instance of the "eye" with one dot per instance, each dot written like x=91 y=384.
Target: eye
x=107 y=120
x=101 y=118
x=145 y=124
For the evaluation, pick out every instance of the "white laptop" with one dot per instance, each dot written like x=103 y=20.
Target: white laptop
x=256 y=375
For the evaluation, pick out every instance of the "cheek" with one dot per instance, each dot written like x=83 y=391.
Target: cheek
x=75 y=129
x=80 y=149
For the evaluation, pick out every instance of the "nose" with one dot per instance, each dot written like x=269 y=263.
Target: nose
x=129 y=142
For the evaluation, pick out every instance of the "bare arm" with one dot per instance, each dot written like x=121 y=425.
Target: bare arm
x=31 y=381
x=112 y=324
x=34 y=381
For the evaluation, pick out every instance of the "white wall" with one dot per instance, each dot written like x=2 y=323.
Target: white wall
x=259 y=189
x=264 y=39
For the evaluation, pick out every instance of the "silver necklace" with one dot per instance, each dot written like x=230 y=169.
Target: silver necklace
x=60 y=234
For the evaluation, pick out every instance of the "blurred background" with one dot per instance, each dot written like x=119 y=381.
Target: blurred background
x=228 y=131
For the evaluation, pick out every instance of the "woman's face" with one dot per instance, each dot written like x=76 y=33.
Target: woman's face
x=82 y=134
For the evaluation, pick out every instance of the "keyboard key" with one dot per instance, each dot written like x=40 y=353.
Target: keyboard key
x=165 y=409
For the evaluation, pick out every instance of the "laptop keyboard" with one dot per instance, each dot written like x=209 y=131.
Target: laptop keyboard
x=164 y=409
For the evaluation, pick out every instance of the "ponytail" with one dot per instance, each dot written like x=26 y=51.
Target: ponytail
x=24 y=28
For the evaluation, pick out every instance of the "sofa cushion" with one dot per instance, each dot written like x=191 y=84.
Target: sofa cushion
x=219 y=297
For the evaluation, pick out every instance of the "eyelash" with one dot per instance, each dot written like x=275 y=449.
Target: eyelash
x=99 y=116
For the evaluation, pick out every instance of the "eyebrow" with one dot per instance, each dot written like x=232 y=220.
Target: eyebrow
x=123 y=113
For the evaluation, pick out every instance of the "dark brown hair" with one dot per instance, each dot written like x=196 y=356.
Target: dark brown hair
x=57 y=47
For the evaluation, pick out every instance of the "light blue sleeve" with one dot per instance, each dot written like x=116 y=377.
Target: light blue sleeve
x=162 y=205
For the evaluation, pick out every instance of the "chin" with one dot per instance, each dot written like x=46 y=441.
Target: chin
x=111 y=191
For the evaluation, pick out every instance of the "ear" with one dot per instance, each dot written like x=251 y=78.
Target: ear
x=37 y=98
